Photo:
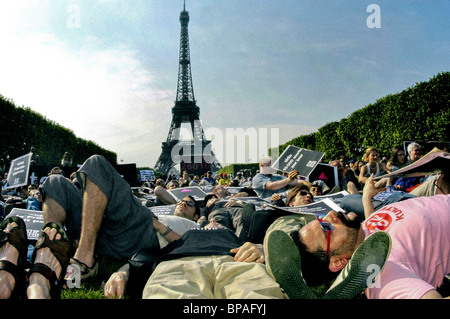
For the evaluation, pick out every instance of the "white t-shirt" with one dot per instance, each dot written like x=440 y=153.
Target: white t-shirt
x=420 y=254
x=178 y=224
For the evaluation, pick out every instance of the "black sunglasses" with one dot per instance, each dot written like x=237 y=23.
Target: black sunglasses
x=188 y=202
x=304 y=193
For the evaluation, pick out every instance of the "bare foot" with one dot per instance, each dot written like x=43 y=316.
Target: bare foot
x=10 y=253
x=39 y=286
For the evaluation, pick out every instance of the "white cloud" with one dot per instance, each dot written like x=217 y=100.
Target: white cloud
x=249 y=144
x=103 y=95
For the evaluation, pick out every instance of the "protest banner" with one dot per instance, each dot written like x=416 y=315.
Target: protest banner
x=326 y=173
x=163 y=209
x=300 y=159
x=147 y=175
x=335 y=197
x=195 y=191
x=207 y=188
x=321 y=208
x=433 y=162
x=255 y=200
x=233 y=190
x=18 y=171
x=195 y=164
x=33 y=219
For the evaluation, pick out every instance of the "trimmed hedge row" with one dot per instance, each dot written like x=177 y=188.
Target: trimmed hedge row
x=419 y=113
x=23 y=128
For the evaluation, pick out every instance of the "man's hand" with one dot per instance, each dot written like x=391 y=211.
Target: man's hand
x=162 y=229
x=275 y=197
x=370 y=189
x=369 y=192
x=249 y=253
x=292 y=175
x=234 y=203
x=115 y=286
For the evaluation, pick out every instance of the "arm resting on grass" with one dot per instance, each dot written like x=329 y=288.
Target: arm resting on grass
x=116 y=284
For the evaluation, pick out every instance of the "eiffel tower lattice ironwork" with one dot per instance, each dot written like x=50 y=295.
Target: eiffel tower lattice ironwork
x=196 y=155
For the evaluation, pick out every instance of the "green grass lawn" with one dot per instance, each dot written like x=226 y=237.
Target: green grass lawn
x=93 y=288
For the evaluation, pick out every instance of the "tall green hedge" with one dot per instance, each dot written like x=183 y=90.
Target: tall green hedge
x=235 y=168
x=420 y=113
x=22 y=128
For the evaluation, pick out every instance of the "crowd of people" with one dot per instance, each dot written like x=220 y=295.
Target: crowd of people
x=206 y=249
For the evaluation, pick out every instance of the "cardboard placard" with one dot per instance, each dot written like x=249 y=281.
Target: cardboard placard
x=335 y=197
x=18 y=171
x=300 y=159
x=326 y=173
x=431 y=163
x=233 y=190
x=321 y=207
x=195 y=191
x=147 y=175
x=163 y=209
x=255 y=200
x=33 y=219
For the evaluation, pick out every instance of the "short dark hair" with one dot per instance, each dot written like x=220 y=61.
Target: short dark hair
x=444 y=181
x=314 y=264
x=249 y=191
x=197 y=206
x=295 y=190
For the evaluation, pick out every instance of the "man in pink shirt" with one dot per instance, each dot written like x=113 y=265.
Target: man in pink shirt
x=420 y=253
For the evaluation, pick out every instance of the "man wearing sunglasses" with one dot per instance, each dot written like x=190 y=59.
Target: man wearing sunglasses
x=187 y=208
x=417 y=261
x=297 y=196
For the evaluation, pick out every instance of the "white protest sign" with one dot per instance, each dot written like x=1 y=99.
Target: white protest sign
x=147 y=175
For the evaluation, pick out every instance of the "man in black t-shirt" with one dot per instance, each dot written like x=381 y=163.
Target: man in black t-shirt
x=211 y=262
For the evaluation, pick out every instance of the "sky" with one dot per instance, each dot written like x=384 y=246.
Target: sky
x=263 y=71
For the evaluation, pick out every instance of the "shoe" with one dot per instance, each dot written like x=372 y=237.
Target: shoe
x=77 y=272
x=363 y=269
x=283 y=263
x=246 y=219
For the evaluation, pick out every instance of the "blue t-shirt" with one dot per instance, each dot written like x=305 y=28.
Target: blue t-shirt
x=259 y=185
x=209 y=180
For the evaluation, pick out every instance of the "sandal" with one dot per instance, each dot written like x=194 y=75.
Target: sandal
x=17 y=237
x=84 y=271
x=60 y=248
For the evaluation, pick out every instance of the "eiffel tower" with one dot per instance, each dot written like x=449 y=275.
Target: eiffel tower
x=195 y=155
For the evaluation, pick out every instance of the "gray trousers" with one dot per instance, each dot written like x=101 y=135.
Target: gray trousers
x=127 y=225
